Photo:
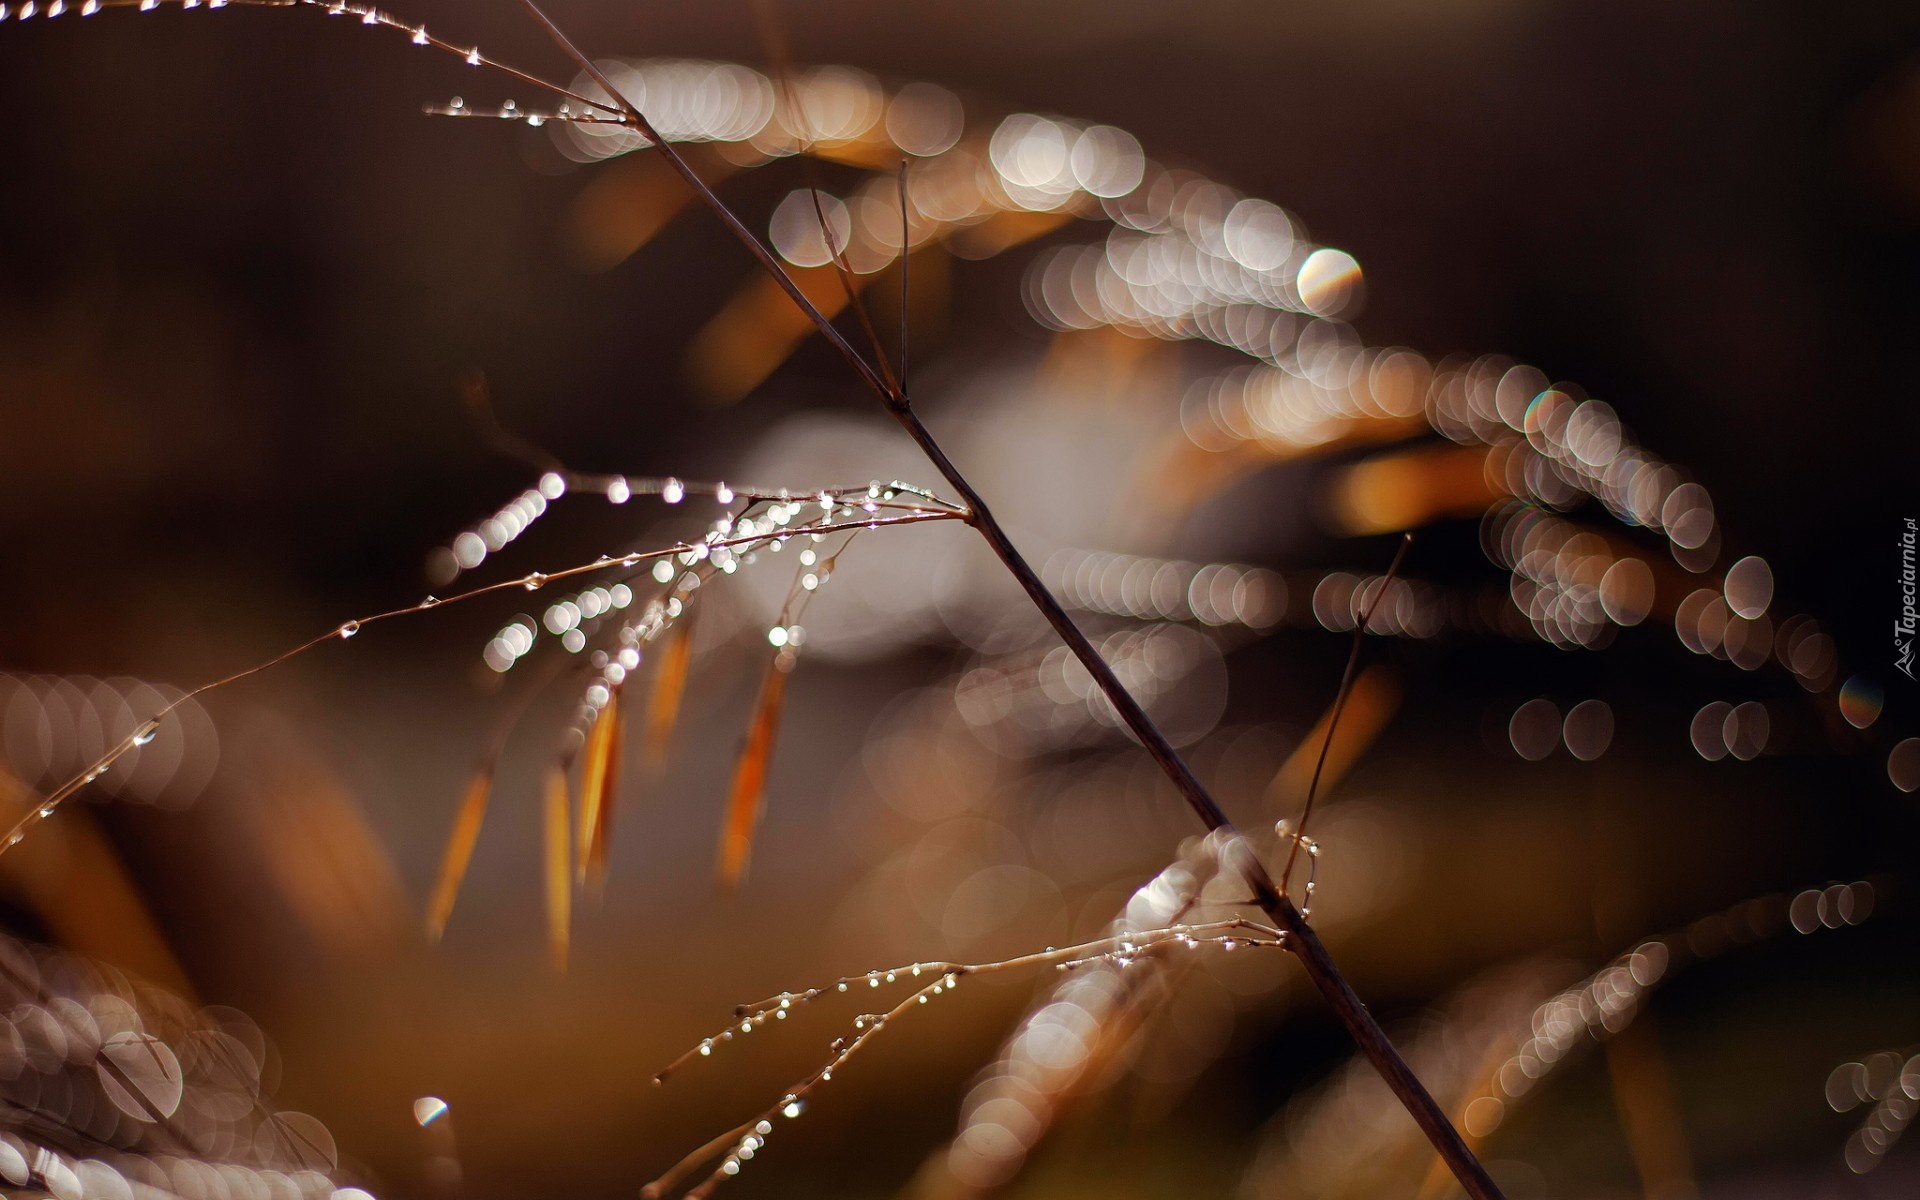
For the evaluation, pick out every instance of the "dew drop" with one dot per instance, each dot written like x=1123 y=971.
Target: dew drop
x=793 y=1108
x=146 y=733
x=535 y=581
x=348 y=630
x=673 y=491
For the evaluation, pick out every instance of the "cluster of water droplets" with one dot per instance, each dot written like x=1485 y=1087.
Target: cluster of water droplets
x=613 y=623
x=935 y=979
x=1040 y=1052
x=56 y=8
x=1016 y=1098
x=472 y=546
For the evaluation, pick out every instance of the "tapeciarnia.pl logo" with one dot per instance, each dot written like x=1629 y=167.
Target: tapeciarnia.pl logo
x=1903 y=626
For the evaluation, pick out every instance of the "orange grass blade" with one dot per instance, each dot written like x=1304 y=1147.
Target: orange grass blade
x=598 y=778
x=669 y=684
x=750 y=780
x=1371 y=702
x=460 y=843
x=559 y=887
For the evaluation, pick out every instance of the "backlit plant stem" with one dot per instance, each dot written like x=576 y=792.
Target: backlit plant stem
x=1301 y=939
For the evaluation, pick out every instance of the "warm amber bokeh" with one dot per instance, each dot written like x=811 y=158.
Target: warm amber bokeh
x=245 y=288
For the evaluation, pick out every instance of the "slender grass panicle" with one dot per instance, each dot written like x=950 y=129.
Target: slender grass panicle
x=1149 y=933
x=766 y=523
x=1590 y=534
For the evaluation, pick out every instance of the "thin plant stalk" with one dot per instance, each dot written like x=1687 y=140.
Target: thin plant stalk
x=1302 y=941
x=1339 y=706
x=146 y=732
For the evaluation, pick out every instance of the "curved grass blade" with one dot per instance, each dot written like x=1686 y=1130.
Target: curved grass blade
x=459 y=852
x=599 y=777
x=669 y=684
x=750 y=778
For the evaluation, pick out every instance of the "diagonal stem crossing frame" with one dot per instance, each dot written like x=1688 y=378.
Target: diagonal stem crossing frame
x=1304 y=943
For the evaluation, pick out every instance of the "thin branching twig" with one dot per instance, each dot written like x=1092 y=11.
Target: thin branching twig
x=1327 y=978
x=741 y=1143
x=533 y=581
x=1339 y=705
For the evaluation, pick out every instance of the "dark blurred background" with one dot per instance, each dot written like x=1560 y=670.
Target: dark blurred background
x=242 y=279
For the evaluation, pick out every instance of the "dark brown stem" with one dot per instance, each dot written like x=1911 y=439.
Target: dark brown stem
x=1306 y=946
x=1339 y=706
x=1301 y=939
x=741 y=233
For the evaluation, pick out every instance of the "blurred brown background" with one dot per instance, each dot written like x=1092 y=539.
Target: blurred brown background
x=241 y=277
